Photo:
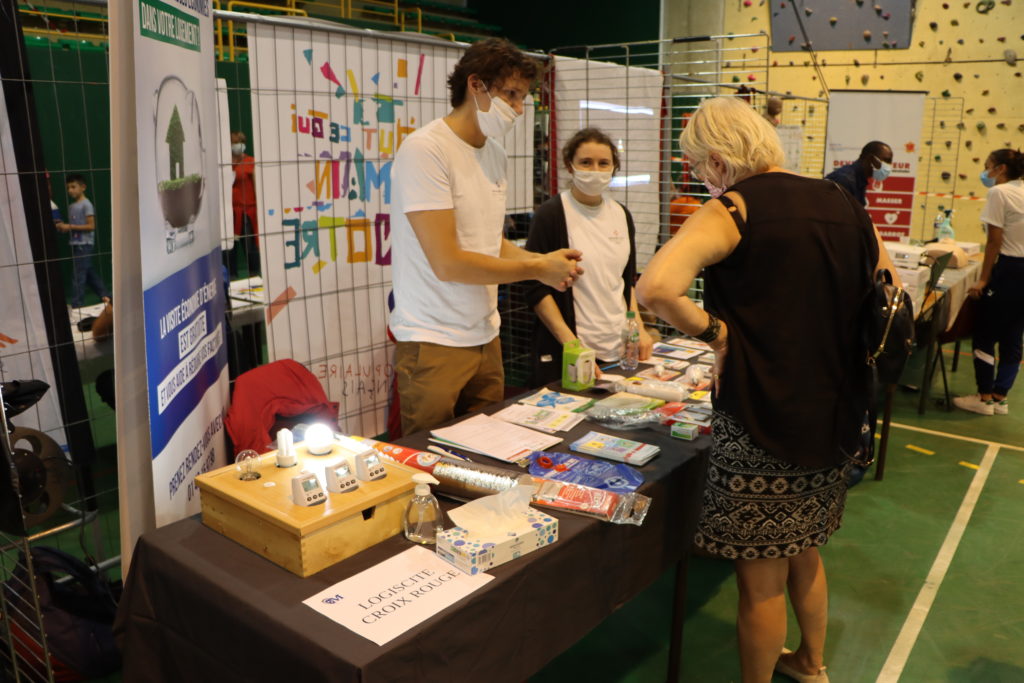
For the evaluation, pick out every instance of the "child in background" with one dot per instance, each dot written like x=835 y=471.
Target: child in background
x=82 y=226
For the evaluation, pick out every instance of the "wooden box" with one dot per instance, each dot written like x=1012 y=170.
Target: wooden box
x=261 y=516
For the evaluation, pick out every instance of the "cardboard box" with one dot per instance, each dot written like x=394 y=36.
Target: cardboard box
x=304 y=539
x=684 y=430
x=474 y=554
x=579 y=366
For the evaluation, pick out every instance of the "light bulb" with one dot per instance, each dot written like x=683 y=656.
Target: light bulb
x=319 y=439
x=246 y=463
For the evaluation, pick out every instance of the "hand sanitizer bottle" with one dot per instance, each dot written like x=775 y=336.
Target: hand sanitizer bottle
x=423 y=517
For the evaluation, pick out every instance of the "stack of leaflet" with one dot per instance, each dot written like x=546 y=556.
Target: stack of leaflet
x=494 y=438
x=544 y=419
x=615 y=448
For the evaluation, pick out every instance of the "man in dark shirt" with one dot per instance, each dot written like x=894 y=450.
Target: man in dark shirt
x=875 y=161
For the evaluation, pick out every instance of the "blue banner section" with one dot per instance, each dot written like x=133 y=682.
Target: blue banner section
x=186 y=339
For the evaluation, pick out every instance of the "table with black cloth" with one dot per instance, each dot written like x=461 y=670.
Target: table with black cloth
x=199 y=607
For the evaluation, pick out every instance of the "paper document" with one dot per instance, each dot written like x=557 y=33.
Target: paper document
x=494 y=438
x=675 y=351
x=556 y=399
x=544 y=419
x=387 y=600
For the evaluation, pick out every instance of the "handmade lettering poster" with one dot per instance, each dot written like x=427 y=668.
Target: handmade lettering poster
x=329 y=113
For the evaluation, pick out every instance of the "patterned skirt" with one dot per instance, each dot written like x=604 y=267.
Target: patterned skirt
x=756 y=506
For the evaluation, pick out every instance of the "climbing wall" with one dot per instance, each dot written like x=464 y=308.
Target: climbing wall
x=963 y=54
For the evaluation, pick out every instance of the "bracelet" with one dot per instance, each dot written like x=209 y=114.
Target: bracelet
x=710 y=333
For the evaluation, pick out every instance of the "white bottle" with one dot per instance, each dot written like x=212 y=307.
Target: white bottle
x=423 y=517
x=630 y=343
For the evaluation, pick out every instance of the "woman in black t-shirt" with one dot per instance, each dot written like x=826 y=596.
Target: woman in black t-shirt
x=788 y=263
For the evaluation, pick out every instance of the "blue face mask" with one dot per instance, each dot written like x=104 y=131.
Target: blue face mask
x=986 y=179
x=882 y=172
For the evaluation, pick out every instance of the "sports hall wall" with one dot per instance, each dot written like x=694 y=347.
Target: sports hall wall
x=955 y=52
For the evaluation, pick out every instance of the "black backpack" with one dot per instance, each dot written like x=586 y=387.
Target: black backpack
x=78 y=616
x=888 y=328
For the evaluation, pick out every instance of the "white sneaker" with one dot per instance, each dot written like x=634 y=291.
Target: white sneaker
x=974 y=404
x=1001 y=407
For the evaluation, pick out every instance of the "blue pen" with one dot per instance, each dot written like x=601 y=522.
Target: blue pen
x=442 y=451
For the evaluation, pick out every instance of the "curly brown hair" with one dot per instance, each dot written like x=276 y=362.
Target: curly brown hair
x=494 y=60
x=588 y=135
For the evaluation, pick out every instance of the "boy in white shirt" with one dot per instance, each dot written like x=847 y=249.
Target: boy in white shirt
x=448 y=251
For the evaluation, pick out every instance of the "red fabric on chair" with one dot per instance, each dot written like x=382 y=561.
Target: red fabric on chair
x=283 y=388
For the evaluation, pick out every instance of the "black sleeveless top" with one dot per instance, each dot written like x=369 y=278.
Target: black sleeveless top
x=792 y=294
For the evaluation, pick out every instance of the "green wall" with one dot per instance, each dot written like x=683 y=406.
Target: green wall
x=70 y=89
x=543 y=24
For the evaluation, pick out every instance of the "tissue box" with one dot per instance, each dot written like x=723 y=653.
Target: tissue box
x=477 y=553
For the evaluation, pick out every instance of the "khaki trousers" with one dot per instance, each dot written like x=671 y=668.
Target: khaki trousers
x=436 y=382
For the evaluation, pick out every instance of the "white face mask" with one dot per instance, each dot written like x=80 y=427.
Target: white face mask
x=238 y=148
x=591 y=182
x=497 y=121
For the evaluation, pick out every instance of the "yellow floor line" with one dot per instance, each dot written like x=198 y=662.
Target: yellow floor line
x=900 y=652
x=968 y=464
x=912 y=447
x=922 y=430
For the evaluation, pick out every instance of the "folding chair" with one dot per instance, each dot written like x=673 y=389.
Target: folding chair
x=931 y=323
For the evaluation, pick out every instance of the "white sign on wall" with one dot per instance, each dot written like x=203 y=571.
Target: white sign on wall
x=329 y=113
x=855 y=118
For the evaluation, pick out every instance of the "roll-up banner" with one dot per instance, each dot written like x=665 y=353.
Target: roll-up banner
x=184 y=288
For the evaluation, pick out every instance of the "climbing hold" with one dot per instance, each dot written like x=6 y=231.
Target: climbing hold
x=963 y=176
x=748 y=3
x=735 y=79
x=751 y=77
x=984 y=93
x=919 y=76
x=878 y=9
x=1011 y=57
x=980 y=125
x=946 y=175
x=864 y=79
x=960 y=126
x=856 y=62
x=955 y=22
x=791 y=39
x=959 y=41
x=945 y=5
x=808 y=11
x=886 y=16
x=832 y=20
x=885 y=34
x=1020 y=127
x=1001 y=39
x=867 y=35
x=946 y=93
x=970 y=143
x=933 y=25
x=847 y=79
x=975 y=159
x=949 y=144
x=920 y=43
x=1001 y=126
x=938 y=157
x=958 y=77
x=991 y=110
x=970 y=111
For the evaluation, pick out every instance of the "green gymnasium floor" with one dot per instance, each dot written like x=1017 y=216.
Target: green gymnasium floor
x=924 y=574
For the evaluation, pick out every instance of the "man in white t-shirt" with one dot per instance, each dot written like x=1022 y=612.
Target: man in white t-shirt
x=448 y=251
